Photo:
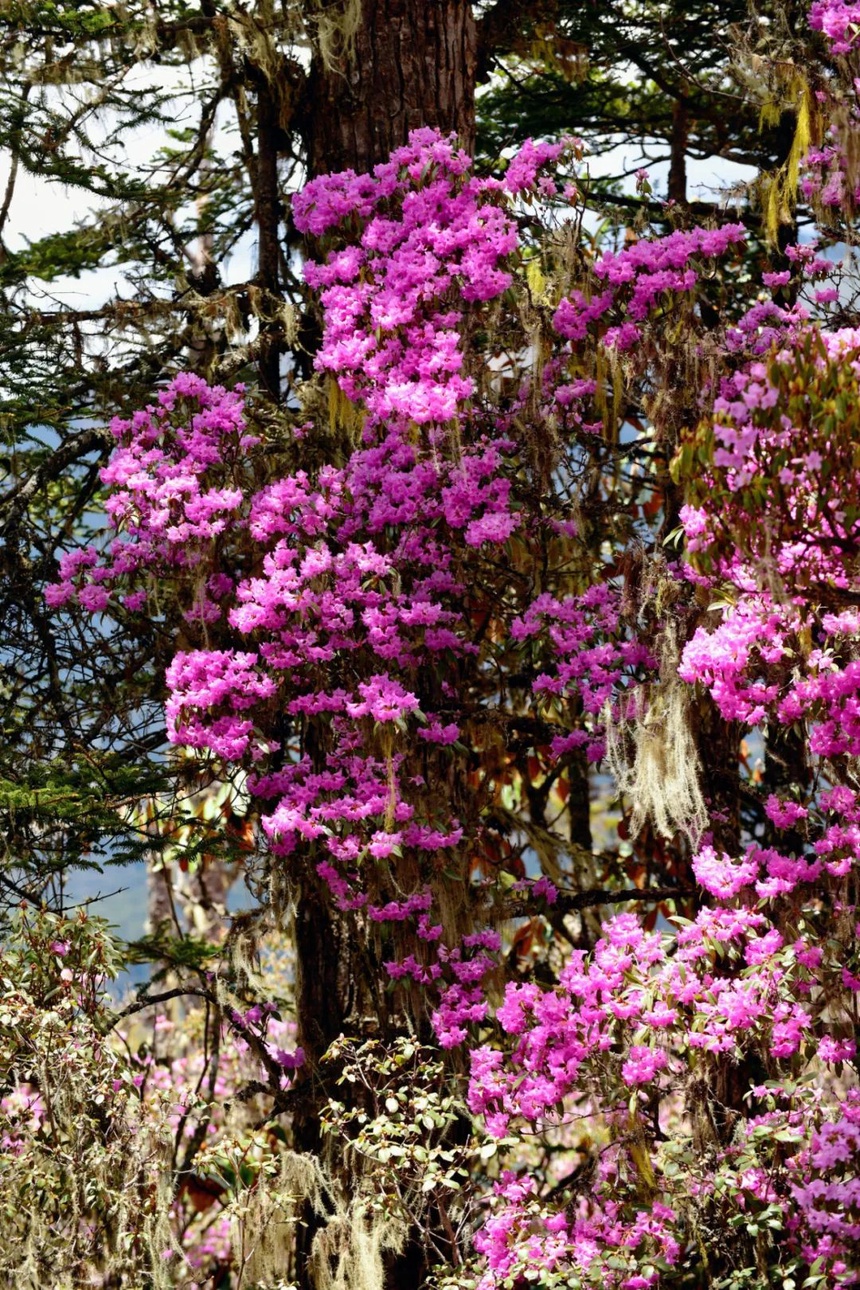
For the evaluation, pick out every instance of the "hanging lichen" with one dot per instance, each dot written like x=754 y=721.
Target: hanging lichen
x=334 y=28
x=662 y=778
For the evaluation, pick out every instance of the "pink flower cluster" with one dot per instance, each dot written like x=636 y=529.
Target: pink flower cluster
x=773 y=323
x=610 y=1242
x=840 y=22
x=393 y=299
x=827 y=1221
x=624 y=1027
x=591 y=654
x=351 y=592
x=749 y=665
x=783 y=657
x=176 y=485
x=721 y=983
x=637 y=279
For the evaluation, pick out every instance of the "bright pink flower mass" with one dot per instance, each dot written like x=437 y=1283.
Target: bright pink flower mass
x=353 y=604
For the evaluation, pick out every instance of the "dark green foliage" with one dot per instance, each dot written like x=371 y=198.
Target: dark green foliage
x=645 y=83
x=149 y=116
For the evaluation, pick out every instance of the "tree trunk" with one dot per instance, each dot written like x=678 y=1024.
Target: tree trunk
x=409 y=63
x=680 y=140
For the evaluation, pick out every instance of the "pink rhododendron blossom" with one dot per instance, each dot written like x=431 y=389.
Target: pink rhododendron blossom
x=331 y=613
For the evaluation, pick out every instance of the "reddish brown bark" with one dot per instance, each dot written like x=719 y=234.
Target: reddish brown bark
x=268 y=223
x=412 y=63
x=680 y=140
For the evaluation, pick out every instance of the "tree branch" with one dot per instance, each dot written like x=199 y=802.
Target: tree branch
x=500 y=29
x=570 y=902
x=15 y=502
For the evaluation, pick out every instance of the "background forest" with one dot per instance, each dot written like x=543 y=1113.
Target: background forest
x=429 y=518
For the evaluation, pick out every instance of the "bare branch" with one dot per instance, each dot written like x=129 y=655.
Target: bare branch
x=16 y=501
x=569 y=902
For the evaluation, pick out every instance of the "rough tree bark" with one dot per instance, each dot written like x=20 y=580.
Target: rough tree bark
x=677 y=187
x=410 y=63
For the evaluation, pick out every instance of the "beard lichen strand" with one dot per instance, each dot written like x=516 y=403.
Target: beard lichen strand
x=663 y=780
